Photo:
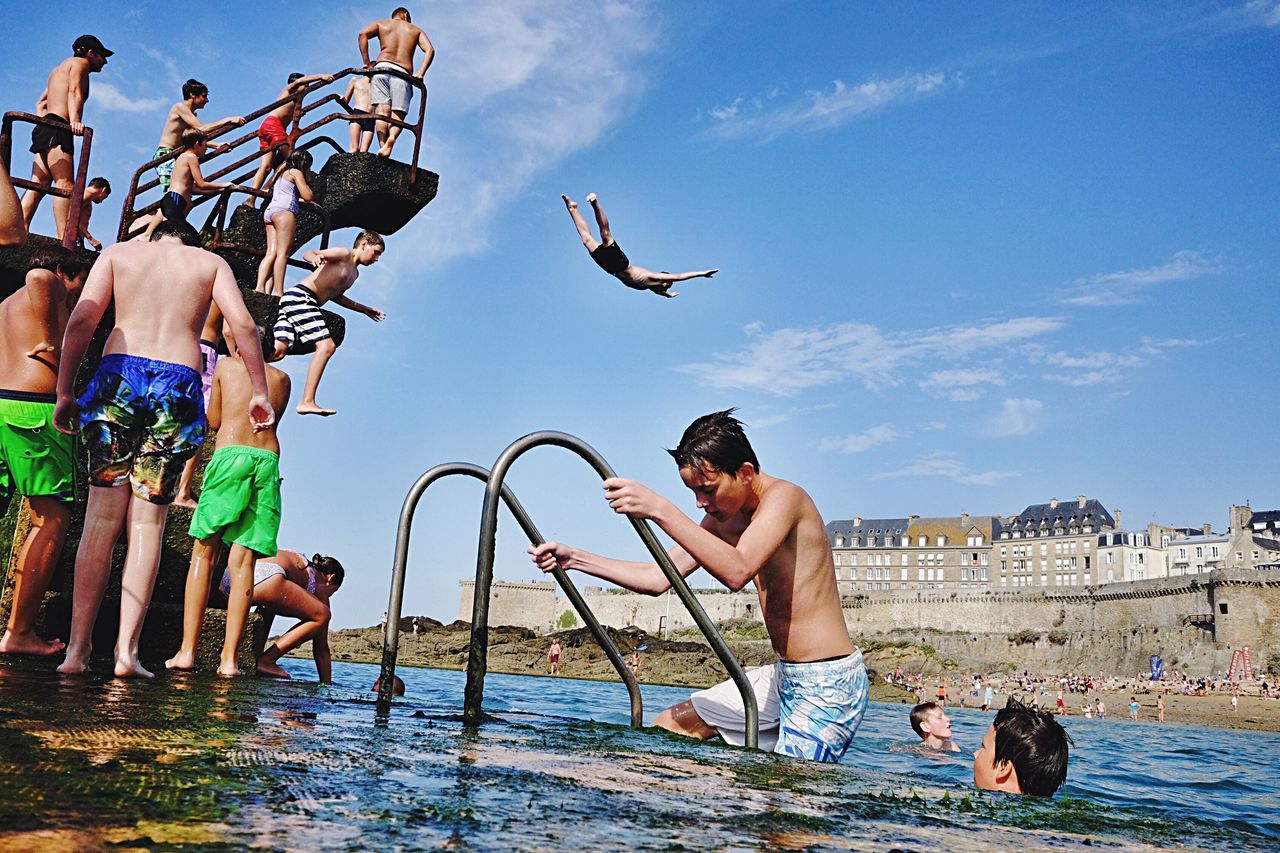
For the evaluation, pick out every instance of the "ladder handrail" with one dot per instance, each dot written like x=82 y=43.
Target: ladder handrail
x=75 y=196
x=477 y=656
x=391 y=638
x=128 y=213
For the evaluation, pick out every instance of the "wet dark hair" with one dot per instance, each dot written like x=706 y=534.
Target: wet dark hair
x=717 y=442
x=101 y=183
x=57 y=259
x=179 y=228
x=400 y=10
x=330 y=567
x=918 y=713
x=297 y=75
x=371 y=237
x=299 y=160
x=194 y=87
x=1035 y=744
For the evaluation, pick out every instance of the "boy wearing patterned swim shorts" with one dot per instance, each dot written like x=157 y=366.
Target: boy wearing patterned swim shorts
x=36 y=461
x=142 y=414
x=757 y=528
x=239 y=503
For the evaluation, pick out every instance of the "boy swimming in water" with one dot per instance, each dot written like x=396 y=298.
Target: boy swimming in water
x=611 y=259
x=756 y=528
x=239 y=503
x=1023 y=752
x=933 y=726
x=300 y=320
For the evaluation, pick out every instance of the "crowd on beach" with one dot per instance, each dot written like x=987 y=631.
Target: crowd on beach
x=183 y=357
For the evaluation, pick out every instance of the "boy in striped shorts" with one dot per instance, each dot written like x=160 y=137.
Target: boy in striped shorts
x=300 y=320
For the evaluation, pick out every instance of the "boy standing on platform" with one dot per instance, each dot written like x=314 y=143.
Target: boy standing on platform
x=142 y=414
x=239 y=503
x=300 y=319
x=36 y=460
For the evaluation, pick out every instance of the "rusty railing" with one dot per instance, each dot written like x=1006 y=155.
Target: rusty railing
x=75 y=195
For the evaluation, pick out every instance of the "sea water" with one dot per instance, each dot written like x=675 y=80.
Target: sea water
x=193 y=760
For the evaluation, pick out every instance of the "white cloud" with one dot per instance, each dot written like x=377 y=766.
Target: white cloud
x=860 y=442
x=107 y=97
x=961 y=384
x=538 y=81
x=787 y=361
x=815 y=110
x=948 y=465
x=1017 y=416
x=1103 y=366
x=1128 y=286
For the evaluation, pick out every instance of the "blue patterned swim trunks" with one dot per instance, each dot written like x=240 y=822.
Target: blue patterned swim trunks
x=820 y=706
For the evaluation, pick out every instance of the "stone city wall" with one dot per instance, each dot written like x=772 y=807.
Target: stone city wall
x=1194 y=623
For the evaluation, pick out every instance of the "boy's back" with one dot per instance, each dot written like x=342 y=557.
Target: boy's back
x=233 y=391
x=161 y=291
x=21 y=331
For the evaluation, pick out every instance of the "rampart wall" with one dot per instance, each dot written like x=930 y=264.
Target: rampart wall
x=1193 y=622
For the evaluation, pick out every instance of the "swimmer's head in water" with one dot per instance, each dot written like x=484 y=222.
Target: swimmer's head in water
x=331 y=569
x=176 y=229
x=928 y=719
x=1023 y=752
x=397 y=685
x=715 y=442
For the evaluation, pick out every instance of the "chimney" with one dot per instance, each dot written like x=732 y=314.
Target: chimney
x=912 y=519
x=1081 y=500
x=1240 y=516
x=1119 y=514
x=964 y=518
x=1053 y=503
x=1207 y=529
x=857 y=521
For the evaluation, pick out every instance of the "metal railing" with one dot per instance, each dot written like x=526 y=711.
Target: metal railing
x=478 y=650
x=75 y=196
x=391 y=639
x=129 y=213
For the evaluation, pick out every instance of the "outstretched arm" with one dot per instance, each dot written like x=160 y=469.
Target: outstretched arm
x=94 y=297
x=734 y=566
x=308 y=80
x=226 y=295
x=318 y=257
x=351 y=305
x=646 y=578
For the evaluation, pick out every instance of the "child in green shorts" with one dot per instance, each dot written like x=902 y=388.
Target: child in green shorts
x=239 y=503
x=36 y=461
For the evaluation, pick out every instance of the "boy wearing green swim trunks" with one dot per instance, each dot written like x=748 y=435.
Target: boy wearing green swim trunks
x=36 y=461
x=239 y=503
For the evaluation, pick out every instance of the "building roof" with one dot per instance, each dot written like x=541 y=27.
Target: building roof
x=1124 y=537
x=868 y=533
x=1061 y=514
x=956 y=528
x=1266 y=544
x=1268 y=516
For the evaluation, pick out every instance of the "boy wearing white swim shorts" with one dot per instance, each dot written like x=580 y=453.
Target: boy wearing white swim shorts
x=758 y=528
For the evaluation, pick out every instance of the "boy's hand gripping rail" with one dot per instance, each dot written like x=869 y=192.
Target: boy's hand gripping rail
x=391 y=640
x=477 y=658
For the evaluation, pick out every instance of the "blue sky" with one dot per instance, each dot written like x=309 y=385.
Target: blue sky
x=970 y=260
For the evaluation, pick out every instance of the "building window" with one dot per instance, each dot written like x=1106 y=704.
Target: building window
x=942 y=541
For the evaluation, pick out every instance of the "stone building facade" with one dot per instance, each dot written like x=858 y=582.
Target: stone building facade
x=1052 y=544
x=885 y=554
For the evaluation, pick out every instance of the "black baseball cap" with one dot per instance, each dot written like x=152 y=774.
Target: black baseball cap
x=86 y=43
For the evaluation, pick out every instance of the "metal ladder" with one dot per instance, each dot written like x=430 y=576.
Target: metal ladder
x=477 y=657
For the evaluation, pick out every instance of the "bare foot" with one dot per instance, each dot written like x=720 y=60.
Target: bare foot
x=591 y=198
x=185 y=500
x=384 y=151
x=74 y=664
x=182 y=660
x=271 y=670
x=248 y=202
x=314 y=409
x=29 y=644
x=131 y=668
x=228 y=670
x=568 y=202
